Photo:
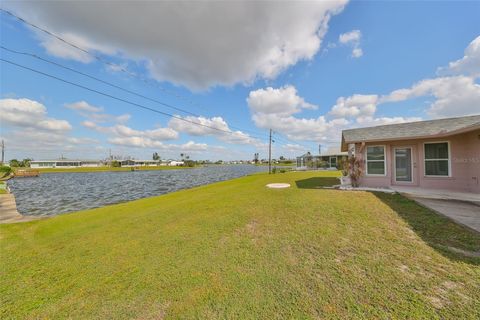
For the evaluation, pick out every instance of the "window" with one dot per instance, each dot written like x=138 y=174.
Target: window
x=376 y=160
x=437 y=160
x=333 y=162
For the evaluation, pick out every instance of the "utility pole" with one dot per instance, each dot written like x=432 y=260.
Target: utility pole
x=3 y=152
x=270 y=153
x=319 y=149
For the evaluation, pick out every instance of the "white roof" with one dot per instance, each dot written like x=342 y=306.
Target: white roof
x=65 y=160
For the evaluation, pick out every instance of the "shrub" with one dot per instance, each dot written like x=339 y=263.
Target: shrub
x=115 y=164
x=354 y=170
x=5 y=169
x=344 y=166
x=323 y=164
x=189 y=163
x=15 y=163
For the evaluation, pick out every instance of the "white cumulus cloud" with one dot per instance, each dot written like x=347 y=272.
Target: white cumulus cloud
x=144 y=142
x=205 y=126
x=215 y=126
x=120 y=131
x=355 y=106
x=348 y=112
x=284 y=100
x=83 y=106
x=352 y=38
x=94 y=113
x=60 y=49
x=26 y=113
x=275 y=108
x=28 y=131
x=195 y=44
x=371 y=121
x=469 y=65
x=454 y=96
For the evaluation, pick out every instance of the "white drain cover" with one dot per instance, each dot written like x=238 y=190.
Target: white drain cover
x=278 y=185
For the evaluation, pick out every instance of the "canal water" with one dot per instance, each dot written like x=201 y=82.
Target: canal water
x=56 y=193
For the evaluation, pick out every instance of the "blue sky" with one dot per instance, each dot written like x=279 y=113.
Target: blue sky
x=306 y=70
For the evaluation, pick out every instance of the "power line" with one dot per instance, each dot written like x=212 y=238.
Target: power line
x=33 y=55
x=288 y=141
x=101 y=59
x=108 y=63
x=116 y=98
x=95 y=56
x=96 y=79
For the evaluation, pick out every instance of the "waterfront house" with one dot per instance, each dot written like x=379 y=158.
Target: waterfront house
x=175 y=163
x=325 y=161
x=64 y=163
x=138 y=163
x=434 y=154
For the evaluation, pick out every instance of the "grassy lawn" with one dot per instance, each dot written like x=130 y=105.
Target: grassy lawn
x=281 y=164
x=102 y=169
x=237 y=250
x=3 y=187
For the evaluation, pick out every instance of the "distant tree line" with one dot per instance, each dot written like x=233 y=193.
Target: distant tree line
x=281 y=159
x=25 y=163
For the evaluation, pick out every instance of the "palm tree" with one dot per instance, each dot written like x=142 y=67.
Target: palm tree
x=26 y=162
x=14 y=163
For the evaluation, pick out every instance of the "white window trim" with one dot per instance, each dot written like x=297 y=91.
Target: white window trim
x=449 y=160
x=384 y=161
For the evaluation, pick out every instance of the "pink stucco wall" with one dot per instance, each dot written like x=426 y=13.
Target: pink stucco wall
x=464 y=164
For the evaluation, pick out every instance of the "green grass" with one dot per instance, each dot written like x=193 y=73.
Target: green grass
x=237 y=250
x=3 y=187
x=103 y=169
x=281 y=164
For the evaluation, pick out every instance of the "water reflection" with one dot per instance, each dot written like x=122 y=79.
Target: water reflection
x=56 y=193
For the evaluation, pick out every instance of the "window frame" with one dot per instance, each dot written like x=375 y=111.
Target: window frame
x=384 y=161
x=449 y=160
x=330 y=161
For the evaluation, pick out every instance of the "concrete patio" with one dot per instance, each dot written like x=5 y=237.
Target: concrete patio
x=463 y=212
x=8 y=210
x=437 y=194
x=462 y=207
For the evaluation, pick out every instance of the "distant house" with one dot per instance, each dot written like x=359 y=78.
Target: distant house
x=64 y=163
x=437 y=154
x=175 y=163
x=138 y=163
x=325 y=161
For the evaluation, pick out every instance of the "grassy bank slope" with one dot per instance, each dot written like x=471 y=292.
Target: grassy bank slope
x=238 y=250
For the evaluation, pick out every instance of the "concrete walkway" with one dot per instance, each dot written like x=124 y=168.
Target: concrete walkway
x=437 y=194
x=463 y=212
x=8 y=210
